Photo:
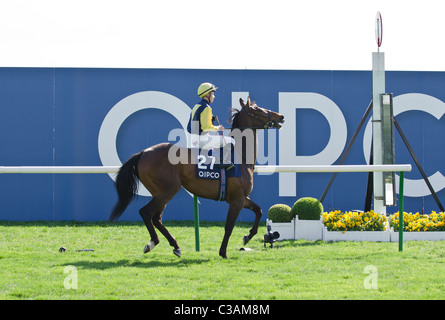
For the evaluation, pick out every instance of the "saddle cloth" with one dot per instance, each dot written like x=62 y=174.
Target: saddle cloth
x=207 y=168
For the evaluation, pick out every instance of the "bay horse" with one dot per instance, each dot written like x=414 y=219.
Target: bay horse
x=164 y=179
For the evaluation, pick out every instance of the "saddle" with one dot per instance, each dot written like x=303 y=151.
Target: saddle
x=207 y=168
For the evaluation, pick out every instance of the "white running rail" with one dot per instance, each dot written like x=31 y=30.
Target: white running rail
x=269 y=169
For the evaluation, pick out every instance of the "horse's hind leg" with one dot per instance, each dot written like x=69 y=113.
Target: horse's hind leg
x=249 y=204
x=157 y=221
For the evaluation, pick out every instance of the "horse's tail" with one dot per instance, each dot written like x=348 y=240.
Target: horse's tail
x=126 y=185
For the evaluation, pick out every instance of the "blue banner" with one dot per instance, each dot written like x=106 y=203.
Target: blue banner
x=95 y=117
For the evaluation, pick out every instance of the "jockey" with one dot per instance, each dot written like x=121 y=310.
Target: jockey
x=204 y=134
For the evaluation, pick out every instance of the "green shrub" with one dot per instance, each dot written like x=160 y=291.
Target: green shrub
x=280 y=213
x=307 y=209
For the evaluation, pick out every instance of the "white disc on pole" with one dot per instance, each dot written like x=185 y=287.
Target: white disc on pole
x=378 y=29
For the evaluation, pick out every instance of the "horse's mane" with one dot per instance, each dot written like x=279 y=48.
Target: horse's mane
x=233 y=120
x=235 y=113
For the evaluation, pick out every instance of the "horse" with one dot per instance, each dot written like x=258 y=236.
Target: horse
x=164 y=179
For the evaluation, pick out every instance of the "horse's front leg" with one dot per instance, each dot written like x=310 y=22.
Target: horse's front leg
x=249 y=204
x=234 y=210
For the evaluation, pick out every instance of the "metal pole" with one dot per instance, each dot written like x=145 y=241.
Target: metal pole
x=378 y=87
x=343 y=157
x=416 y=161
x=196 y=211
x=402 y=175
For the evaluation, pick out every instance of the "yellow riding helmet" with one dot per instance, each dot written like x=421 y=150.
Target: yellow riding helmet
x=205 y=88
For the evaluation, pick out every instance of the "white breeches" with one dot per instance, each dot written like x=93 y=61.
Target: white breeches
x=210 y=140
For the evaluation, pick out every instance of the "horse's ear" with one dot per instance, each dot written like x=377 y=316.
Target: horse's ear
x=243 y=105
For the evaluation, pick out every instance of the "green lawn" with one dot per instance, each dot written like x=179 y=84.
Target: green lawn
x=31 y=266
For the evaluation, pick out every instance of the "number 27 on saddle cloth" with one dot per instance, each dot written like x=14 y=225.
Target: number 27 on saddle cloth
x=206 y=169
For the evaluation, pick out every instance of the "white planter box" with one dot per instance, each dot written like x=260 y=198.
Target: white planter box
x=377 y=236
x=418 y=235
x=308 y=229
x=285 y=229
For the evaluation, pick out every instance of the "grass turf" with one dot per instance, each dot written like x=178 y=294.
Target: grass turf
x=32 y=267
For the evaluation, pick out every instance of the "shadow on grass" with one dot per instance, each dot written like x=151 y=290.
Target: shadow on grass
x=103 y=265
x=103 y=223
x=304 y=243
x=296 y=243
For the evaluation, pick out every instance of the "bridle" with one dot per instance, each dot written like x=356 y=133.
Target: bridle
x=269 y=124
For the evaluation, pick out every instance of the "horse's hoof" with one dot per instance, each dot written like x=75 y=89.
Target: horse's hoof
x=223 y=255
x=245 y=240
x=177 y=252
x=149 y=246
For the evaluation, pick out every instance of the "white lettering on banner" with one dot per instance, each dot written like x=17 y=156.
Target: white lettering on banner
x=413 y=102
x=125 y=108
x=288 y=103
x=235 y=99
